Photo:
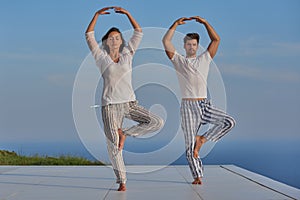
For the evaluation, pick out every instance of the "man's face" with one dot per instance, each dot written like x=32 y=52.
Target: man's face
x=191 y=47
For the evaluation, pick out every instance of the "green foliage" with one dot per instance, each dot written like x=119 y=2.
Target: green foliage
x=12 y=158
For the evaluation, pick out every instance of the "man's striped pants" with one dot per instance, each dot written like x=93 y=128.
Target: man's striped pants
x=193 y=115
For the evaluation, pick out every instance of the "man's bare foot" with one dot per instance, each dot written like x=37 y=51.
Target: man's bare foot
x=122 y=139
x=197 y=181
x=122 y=187
x=200 y=140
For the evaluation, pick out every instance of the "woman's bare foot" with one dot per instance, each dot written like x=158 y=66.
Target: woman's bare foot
x=122 y=187
x=197 y=181
x=200 y=140
x=122 y=139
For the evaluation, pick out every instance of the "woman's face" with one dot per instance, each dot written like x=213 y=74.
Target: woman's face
x=114 y=41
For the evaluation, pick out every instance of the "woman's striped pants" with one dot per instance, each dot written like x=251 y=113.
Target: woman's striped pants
x=193 y=115
x=113 y=116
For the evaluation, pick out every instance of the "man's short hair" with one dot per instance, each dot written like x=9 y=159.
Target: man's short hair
x=190 y=36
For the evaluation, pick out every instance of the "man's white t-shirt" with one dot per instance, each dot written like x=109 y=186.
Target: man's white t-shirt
x=192 y=74
x=117 y=77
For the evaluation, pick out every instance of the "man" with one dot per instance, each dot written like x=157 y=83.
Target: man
x=196 y=109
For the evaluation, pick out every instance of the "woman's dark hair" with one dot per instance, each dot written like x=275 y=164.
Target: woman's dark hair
x=104 y=38
x=191 y=36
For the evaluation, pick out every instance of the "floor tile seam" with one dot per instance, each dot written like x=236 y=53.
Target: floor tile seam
x=252 y=180
x=187 y=182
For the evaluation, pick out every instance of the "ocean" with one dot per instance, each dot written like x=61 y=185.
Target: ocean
x=278 y=160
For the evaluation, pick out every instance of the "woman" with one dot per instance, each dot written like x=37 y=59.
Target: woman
x=114 y=60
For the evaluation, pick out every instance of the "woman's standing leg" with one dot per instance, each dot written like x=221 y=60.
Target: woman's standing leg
x=112 y=116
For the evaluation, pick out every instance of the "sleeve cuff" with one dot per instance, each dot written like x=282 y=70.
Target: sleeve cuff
x=137 y=33
x=90 y=33
x=173 y=58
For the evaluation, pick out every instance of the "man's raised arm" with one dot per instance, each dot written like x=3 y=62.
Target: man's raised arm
x=215 y=39
x=167 y=39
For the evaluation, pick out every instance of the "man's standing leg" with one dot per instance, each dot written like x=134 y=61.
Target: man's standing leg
x=190 y=121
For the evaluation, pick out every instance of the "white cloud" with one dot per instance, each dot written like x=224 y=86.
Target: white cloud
x=65 y=80
x=257 y=45
x=256 y=56
x=288 y=47
x=261 y=74
x=34 y=57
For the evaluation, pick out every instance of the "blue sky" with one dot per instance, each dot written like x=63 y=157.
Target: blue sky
x=43 y=46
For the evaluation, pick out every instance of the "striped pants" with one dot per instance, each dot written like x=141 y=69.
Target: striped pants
x=193 y=115
x=113 y=116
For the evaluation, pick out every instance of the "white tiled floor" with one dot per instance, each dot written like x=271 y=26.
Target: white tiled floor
x=172 y=182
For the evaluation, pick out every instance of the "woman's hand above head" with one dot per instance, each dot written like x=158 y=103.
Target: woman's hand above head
x=121 y=10
x=92 y=24
x=117 y=9
x=103 y=11
x=133 y=22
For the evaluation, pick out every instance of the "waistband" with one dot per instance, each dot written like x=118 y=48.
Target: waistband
x=195 y=102
x=193 y=99
x=130 y=103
